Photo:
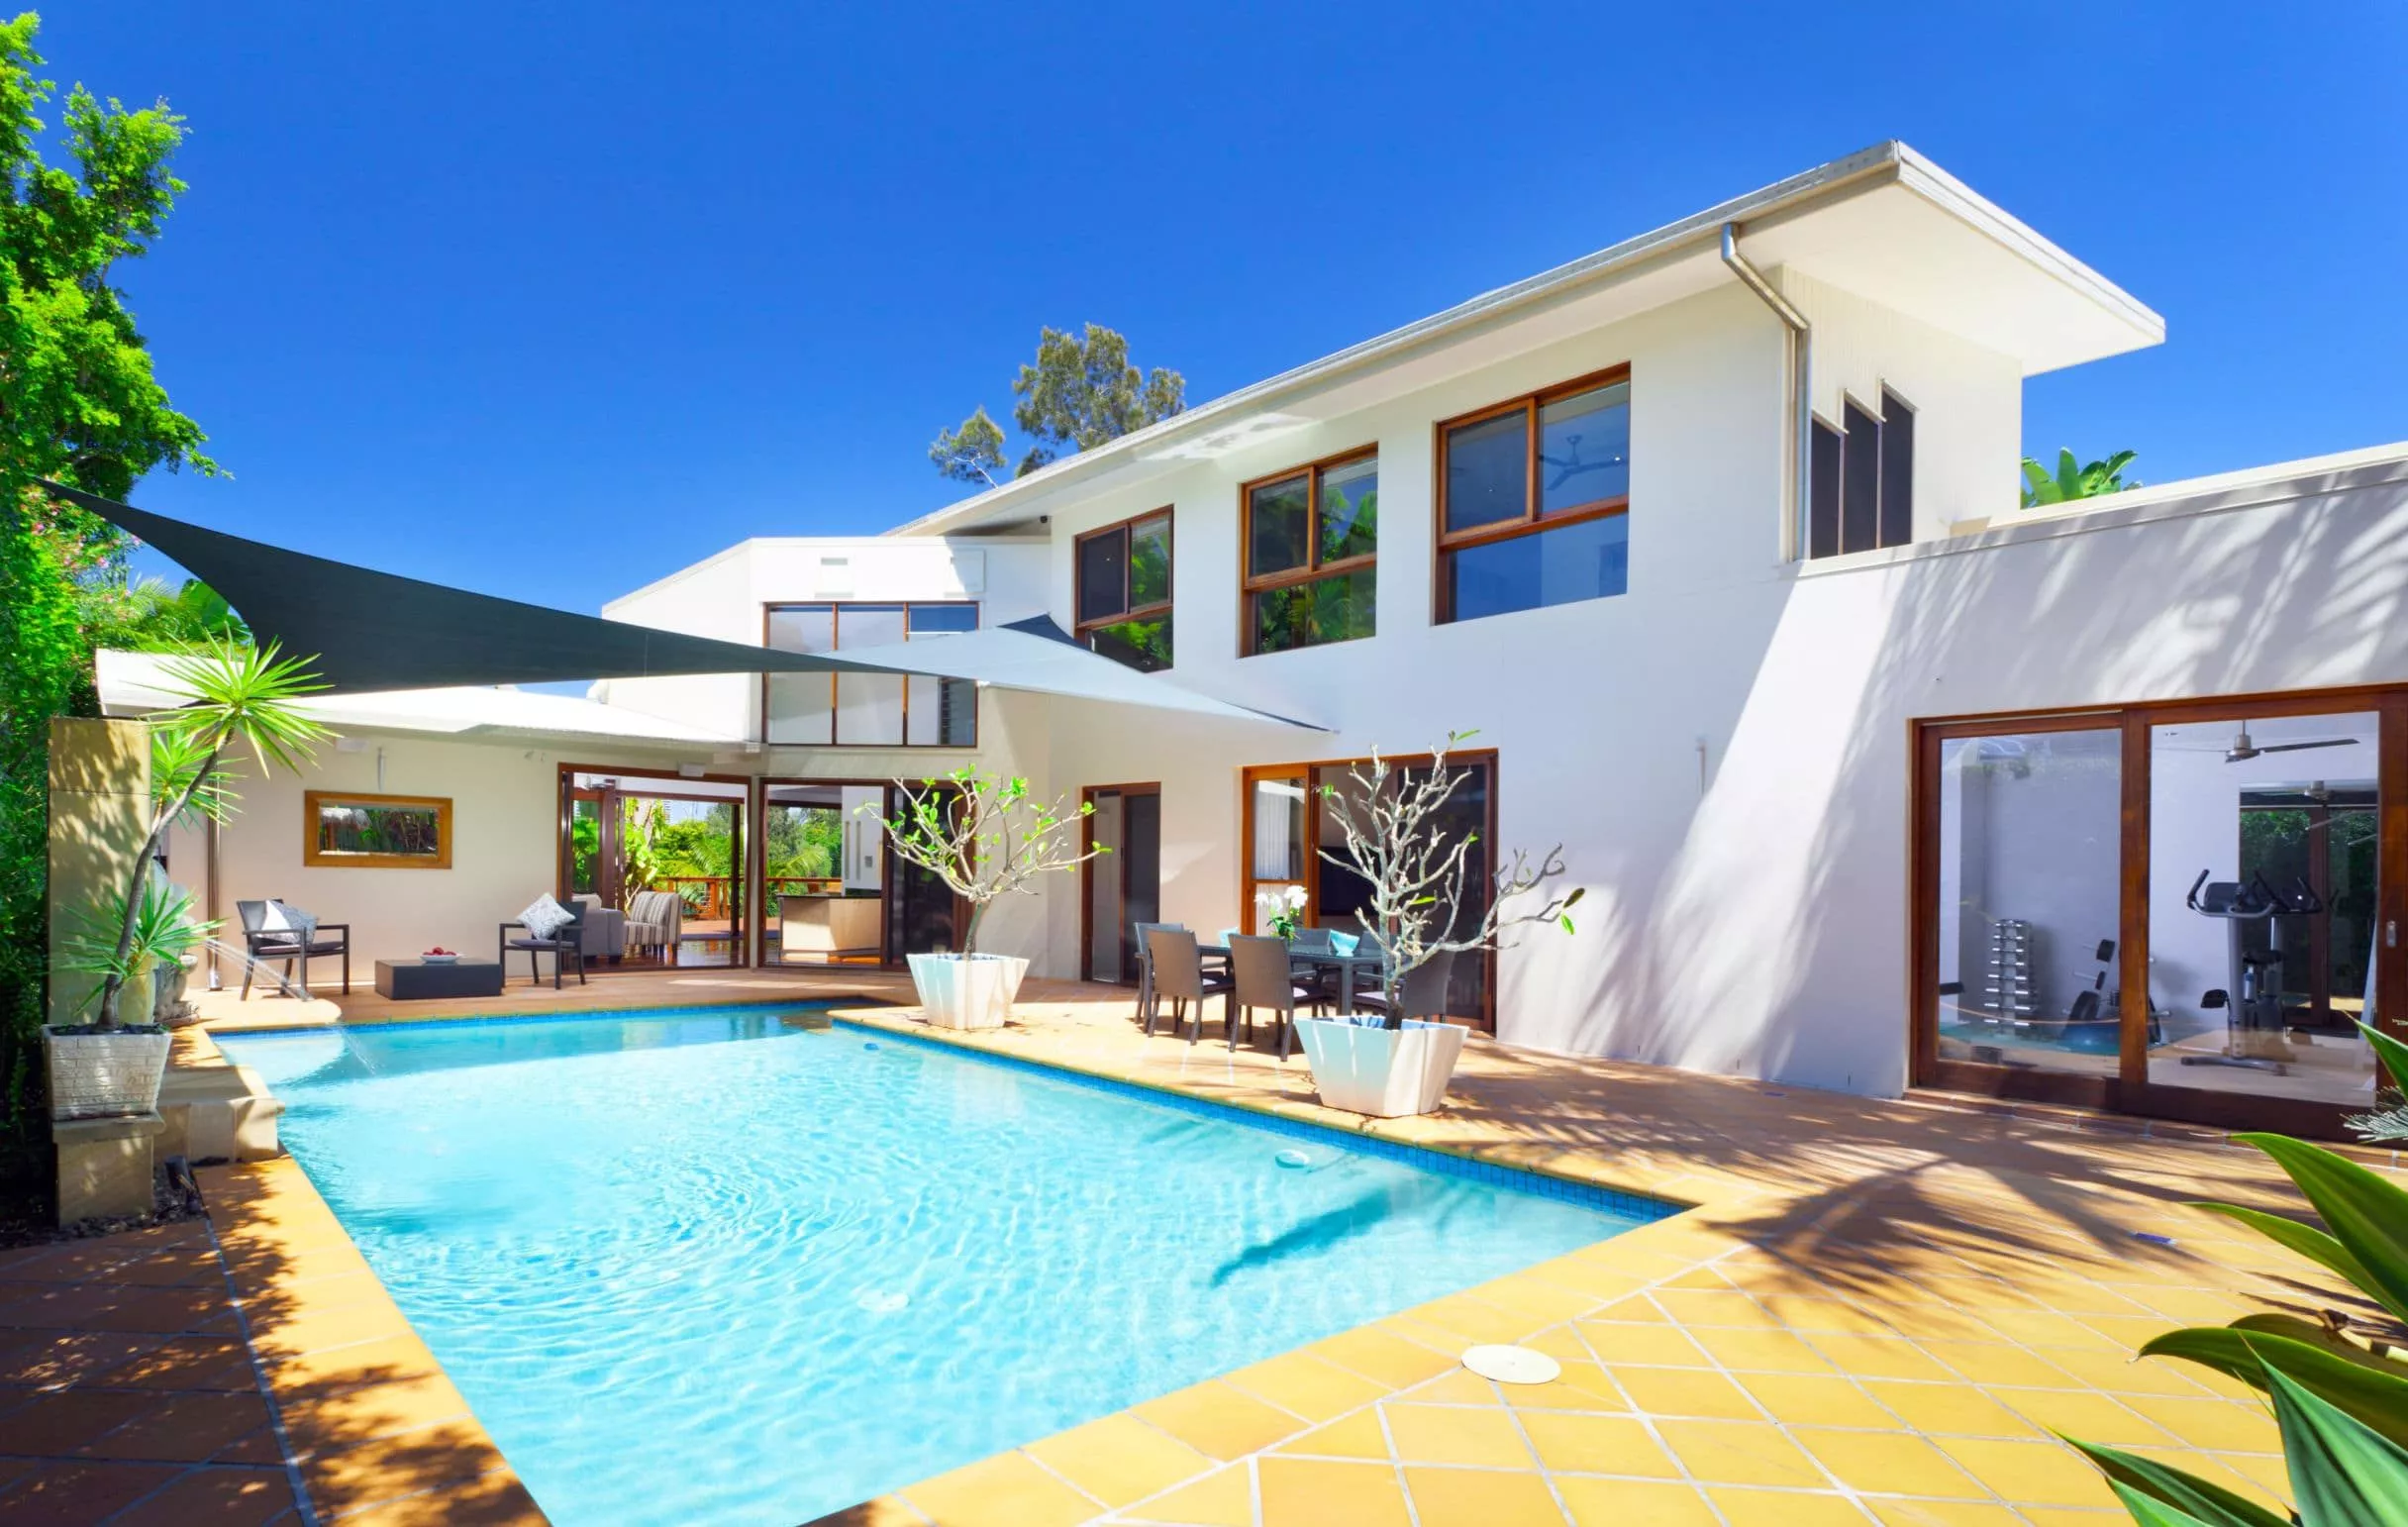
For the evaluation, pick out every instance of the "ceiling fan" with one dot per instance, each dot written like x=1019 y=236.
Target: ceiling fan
x=2242 y=750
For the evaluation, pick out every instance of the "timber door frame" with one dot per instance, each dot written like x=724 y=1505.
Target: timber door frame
x=2130 y=1090
x=1086 y=871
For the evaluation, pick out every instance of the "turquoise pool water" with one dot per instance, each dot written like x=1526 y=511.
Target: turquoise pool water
x=701 y=1266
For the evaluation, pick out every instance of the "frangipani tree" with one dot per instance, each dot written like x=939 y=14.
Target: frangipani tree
x=1424 y=898
x=237 y=698
x=986 y=837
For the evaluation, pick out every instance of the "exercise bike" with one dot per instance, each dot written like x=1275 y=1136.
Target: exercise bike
x=2252 y=996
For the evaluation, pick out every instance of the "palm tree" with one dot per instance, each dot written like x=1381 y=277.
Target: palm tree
x=237 y=697
x=2074 y=482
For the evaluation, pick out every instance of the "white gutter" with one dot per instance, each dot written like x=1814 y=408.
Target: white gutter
x=1798 y=343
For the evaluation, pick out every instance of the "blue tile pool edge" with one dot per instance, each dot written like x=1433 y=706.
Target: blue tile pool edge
x=1445 y=1163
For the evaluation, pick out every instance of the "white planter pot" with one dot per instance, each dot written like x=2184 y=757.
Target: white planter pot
x=967 y=991
x=100 y=1076
x=1384 y=1073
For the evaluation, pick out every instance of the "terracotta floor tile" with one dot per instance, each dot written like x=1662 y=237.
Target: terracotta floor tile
x=1468 y=1497
x=188 y=1363
x=2088 y=1414
x=1454 y=1434
x=429 y=1459
x=1695 y=1308
x=1634 y=1504
x=1760 y=1351
x=2122 y=1373
x=220 y=1498
x=1381 y=1357
x=1218 y=1421
x=68 y=1356
x=1996 y=1363
x=1007 y=1489
x=1815 y=1398
x=2219 y=1425
x=1740 y=1452
x=1656 y=1342
x=330 y=1422
x=1887 y=1462
x=185 y=1428
x=1313 y=1492
x=496 y=1499
x=1222 y=1499
x=1876 y=1357
x=1787 y=1508
x=1580 y=1386
x=1952 y=1513
x=1956 y=1409
x=1359 y=1436
x=62 y=1422
x=2039 y=1473
x=1119 y=1459
x=390 y=1361
x=1668 y=1392
x=1462 y=1386
x=1596 y=1445
x=1306 y=1384
x=72 y=1494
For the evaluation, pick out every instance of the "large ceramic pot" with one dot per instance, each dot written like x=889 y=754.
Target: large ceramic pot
x=98 y=1075
x=967 y=991
x=1382 y=1071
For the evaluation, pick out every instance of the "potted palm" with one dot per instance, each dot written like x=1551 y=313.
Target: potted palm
x=237 y=697
x=1425 y=900
x=986 y=838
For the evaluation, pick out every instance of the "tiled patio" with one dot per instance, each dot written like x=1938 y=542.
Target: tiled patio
x=1874 y=1313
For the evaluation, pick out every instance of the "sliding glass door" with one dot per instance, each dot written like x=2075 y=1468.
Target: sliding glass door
x=2179 y=910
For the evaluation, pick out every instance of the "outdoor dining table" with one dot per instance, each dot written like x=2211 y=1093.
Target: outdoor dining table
x=1324 y=958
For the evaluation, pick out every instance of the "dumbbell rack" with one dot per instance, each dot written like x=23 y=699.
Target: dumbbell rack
x=2007 y=983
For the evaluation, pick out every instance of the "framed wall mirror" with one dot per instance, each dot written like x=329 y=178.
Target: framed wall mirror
x=375 y=832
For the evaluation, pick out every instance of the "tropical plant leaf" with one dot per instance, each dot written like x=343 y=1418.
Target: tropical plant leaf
x=249 y=696
x=2156 y=1493
x=2307 y=1239
x=2342 y=1472
x=2350 y=1377
x=2365 y=1214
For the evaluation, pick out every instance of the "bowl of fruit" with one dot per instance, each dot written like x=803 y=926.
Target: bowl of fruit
x=441 y=956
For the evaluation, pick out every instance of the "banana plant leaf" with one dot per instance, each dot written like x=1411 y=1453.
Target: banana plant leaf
x=2161 y=1496
x=2342 y=1472
x=2349 y=1378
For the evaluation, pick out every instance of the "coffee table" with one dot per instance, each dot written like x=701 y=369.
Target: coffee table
x=414 y=981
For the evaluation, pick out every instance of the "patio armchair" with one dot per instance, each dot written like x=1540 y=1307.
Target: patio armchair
x=1179 y=974
x=605 y=928
x=274 y=931
x=1422 y=994
x=1261 y=976
x=568 y=941
x=655 y=920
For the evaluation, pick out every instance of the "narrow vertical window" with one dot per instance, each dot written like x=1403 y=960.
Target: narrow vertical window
x=1823 y=515
x=1897 y=470
x=1860 y=480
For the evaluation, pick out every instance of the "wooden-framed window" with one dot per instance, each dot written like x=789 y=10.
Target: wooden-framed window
x=865 y=710
x=1311 y=540
x=1123 y=594
x=1861 y=487
x=1534 y=499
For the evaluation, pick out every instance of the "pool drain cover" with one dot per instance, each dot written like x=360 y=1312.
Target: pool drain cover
x=1512 y=1365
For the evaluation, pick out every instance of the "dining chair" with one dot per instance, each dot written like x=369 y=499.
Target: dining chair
x=1179 y=974
x=1259 y=969
x=1422 y=994
x=1145 y=968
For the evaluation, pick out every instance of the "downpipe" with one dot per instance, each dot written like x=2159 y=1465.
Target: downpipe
x=1799 y=338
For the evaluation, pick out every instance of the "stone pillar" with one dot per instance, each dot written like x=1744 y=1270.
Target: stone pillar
x=105 y=1167
x=100 y=813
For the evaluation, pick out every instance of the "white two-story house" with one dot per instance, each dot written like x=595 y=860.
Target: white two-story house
x=1708 y=543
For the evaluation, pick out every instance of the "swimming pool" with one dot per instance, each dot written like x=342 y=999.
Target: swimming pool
x=705 y=1266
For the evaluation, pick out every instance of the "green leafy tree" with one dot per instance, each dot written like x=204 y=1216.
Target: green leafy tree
x=79 y=403
x=2074 y=481
x=1080 y=392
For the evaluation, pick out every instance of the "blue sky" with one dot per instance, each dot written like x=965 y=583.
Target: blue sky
x=550 y=300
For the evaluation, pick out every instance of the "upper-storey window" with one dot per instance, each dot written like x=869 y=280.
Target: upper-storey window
x=866 y=710
x=1534 y=500
x=1862 y=482
x=1124 y=590
x=1312 y=545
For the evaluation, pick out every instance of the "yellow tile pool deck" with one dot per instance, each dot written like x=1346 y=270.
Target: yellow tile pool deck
x=1870 y=1312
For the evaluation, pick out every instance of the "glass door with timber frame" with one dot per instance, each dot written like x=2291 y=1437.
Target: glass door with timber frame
x=1124 y=884
x=2179 y=910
